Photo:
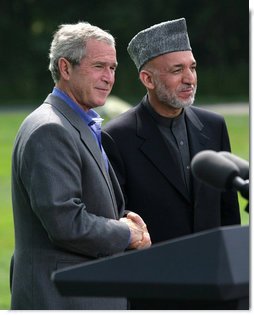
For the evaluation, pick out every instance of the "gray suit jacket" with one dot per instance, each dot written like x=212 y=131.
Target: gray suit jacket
x=66 y=207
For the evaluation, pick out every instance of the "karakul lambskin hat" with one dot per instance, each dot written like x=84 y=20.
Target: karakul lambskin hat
x=157 y=40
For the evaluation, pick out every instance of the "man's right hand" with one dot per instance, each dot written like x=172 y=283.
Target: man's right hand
x=140 y=237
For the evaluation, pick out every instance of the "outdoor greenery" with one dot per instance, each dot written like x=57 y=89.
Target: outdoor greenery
x=9 y=123
x=219 y=35
x=218 y=31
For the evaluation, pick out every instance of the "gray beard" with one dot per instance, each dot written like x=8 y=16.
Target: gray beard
x=170 y=99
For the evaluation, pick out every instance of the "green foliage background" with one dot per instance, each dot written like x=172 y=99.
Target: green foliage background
x=218 y=31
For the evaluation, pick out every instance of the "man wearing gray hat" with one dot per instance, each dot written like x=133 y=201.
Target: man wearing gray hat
x=151 y=145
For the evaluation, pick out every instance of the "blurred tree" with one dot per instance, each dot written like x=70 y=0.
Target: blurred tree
x=219 y=33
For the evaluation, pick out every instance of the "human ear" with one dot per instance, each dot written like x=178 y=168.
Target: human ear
x=146 y=77
x=64 y=68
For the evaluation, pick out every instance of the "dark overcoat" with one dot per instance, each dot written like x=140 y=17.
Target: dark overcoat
x=148 y=173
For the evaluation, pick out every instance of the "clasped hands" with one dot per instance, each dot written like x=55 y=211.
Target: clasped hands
x=140 y=237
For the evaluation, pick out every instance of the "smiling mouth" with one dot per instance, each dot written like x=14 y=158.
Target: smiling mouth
x=187 y=92
x=103 y=90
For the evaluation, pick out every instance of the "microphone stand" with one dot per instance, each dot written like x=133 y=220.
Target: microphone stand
x=243 y=187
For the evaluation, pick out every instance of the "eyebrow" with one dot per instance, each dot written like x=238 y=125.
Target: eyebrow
x=180 y=65
x=104 y=63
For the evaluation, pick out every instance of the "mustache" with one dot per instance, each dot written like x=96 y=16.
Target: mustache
x=187 y=87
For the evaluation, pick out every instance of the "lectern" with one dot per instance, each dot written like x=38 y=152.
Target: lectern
x=206 y=267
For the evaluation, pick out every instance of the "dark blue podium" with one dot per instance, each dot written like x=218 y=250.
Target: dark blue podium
x=206 y=268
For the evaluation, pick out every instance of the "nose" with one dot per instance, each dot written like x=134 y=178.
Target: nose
x=189 y=76
x=108 y=75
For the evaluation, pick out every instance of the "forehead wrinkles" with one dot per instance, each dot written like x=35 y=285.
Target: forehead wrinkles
x=101 y=52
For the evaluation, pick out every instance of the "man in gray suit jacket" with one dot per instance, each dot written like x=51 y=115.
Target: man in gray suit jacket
x=67 y=203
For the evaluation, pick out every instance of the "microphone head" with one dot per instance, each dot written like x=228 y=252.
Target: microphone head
x=242 y=164
x=214 y=169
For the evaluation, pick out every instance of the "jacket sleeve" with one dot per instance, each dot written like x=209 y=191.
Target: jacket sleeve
x=52 y=173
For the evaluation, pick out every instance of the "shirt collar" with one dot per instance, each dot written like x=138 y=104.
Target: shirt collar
x=164 y=121
x=86 y=116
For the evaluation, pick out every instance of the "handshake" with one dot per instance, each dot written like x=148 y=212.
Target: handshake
x=140 y=237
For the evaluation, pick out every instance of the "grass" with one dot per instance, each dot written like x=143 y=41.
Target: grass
x=238 y=127
x=9 y=124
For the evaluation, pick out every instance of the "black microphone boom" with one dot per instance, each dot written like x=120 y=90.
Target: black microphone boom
x=242 y=164
x=222 y=171
x=214 y=170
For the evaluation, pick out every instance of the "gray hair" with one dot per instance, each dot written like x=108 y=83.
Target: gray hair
x=69 y=42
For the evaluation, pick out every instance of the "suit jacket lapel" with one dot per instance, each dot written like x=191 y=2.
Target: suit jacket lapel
x=199 y=140
x=156 y=150
x=86 y=137
x=119 y=198
x=85 y=132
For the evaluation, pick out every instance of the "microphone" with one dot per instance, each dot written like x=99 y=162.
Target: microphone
x=243 y=165
x=218 y=172
x=213 y=169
